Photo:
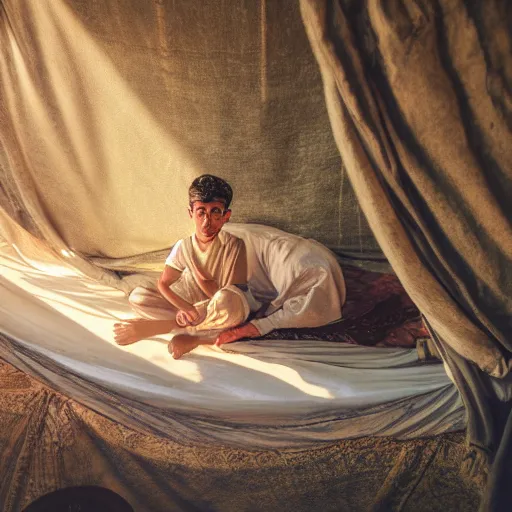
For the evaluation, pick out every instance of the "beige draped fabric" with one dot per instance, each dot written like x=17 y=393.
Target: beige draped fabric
x=434 y=195
x=419 y=97
x=108 y=110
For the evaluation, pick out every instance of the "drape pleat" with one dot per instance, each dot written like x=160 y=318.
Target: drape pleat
x=418 y=95
x=109 y=110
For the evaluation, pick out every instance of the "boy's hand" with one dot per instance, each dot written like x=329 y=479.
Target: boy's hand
x=186 y=318
x=237 y=333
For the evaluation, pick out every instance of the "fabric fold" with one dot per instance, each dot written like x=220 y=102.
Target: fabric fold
x=426 y=144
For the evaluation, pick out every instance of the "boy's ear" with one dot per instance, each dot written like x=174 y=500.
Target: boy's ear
x=189 y=212
x=227 y=215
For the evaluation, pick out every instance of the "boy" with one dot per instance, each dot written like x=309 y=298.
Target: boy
x=203 y=287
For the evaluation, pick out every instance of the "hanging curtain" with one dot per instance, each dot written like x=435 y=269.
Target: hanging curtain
x=109 y=110
x=419 y=98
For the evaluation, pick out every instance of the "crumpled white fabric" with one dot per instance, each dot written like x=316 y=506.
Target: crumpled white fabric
x=255 y=394
x=300 y=278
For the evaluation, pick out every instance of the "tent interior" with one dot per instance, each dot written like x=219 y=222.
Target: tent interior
x=379 y=129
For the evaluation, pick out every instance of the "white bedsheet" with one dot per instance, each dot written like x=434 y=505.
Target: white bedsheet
x=260 y=394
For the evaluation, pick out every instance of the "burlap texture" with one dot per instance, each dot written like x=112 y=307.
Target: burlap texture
x=108 y=110
x=419 y=99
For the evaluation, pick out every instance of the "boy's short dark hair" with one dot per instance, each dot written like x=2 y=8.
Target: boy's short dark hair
x=208 y=188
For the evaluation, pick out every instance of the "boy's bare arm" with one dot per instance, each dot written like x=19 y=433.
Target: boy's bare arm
x=169 y=276
x=240 y=271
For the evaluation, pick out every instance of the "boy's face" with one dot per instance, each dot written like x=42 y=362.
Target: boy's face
x=208 y=218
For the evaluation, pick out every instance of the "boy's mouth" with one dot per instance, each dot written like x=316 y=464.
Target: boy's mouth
x=208 y=231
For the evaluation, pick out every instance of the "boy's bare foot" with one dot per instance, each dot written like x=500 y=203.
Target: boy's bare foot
x=131 y=331
x=237 y=333
x=183 y=344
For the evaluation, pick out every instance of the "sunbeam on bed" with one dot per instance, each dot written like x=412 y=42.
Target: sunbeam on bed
x=96 y=307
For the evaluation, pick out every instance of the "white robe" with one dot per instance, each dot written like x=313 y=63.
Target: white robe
x=300 y=278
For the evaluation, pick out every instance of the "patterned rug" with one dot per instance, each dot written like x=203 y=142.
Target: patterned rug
x=378 y=312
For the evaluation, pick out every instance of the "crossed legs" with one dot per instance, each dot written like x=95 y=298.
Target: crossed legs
x=161 y=319
x=131 y=331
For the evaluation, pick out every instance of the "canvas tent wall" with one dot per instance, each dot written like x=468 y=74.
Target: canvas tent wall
x=425 y=135
x=139 y=100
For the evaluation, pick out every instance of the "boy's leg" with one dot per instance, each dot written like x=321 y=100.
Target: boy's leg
x=158 y=312
x=150 y=303
x=228 y=308
x=131 y=331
